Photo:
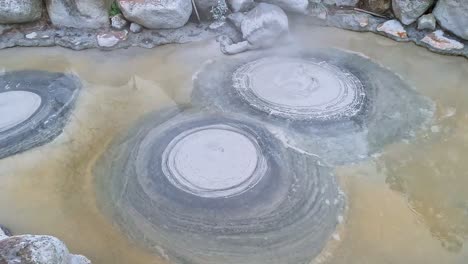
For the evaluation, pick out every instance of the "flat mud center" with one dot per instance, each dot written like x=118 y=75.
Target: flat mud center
x=16 y=107
x=299 y=88
x=213 y=161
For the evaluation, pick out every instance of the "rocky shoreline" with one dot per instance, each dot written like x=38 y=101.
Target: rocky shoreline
x=408 y=24
x=35 y=249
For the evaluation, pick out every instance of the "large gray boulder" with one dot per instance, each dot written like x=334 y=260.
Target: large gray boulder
x=453 y=16
x=79 y=14
x=376 y=6
x=157 y=14
x=20 y=11
x=408 y=11
x=30 y=249
x=261 y=27
x=295 y=6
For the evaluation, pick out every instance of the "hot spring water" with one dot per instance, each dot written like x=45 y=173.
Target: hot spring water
x=397 y=196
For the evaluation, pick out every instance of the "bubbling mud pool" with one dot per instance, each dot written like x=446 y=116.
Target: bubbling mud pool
x=406 y=203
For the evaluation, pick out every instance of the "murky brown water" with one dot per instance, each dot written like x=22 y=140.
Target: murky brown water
x=408 y=205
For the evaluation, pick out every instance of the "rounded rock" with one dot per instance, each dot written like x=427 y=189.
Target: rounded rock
x=30 y=249
x=157 y=14
x=452 y=16
x=20 y=11
x=408 y=11
x=204 y=187
x=79 y=14
x=34 y=107
x=338 y=105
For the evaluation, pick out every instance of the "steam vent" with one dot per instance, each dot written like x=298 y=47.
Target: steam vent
x=34 y=107
x=338 y=105
x=204 y=187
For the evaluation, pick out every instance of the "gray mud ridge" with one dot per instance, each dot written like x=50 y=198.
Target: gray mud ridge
x=368 y=108
x=286 y=216
x=54 y=94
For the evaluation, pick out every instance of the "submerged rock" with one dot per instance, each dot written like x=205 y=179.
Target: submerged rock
x=376 y=6
x=30 y=249
x=393 y=28
x=111 y=38
x=79 y=14
x=296 y=6
x=20 y=11
x=408 y=11
x=157 y=14
x=452 y=15
x=437 y=40
x=34 y=108
x=206 y=187
x=261 y=27
x=337 y=105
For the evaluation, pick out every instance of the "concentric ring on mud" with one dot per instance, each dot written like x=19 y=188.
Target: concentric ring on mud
x=337 y=104
x=34 y=108
x=299 y=88
x=274 y=205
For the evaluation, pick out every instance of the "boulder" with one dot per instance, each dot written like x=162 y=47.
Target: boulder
x=79 y=14
x=437 y=40
x=408 y=11
x=393 y=28
x=20 y=11
x=427 y=22
x=157 y=14
x=205 y=7
x=341 y=2
x=241 y=5
x=30 y=249
x=376 y=6
x=295 y=6
x=452 y=16
x=264 y=24
x=260 y=27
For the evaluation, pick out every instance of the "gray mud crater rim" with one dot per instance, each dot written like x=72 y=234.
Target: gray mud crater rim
x=299 y=88
x=271 y=205
x=336 y=104
x=34 y=108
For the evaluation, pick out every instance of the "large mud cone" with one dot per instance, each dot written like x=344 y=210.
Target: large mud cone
x=329 y=102
x=34 y=108
x=202 y=187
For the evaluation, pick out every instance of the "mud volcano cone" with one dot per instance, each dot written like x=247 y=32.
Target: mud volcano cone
x=34 y=108
x=337 y=104
x=201 y=187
